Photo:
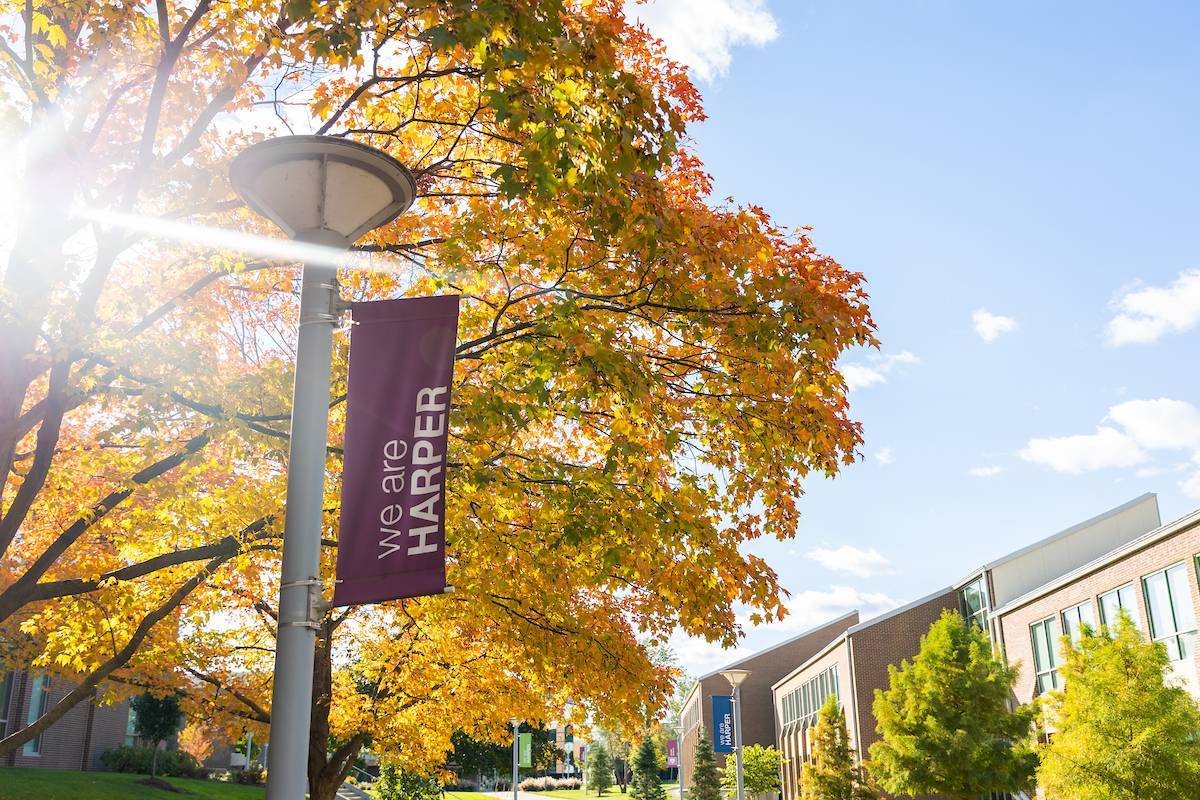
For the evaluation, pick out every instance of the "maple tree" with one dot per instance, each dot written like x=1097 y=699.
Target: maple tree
x=644 y=378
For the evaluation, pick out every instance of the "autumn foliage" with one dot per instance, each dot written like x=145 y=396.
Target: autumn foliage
x=644 y=377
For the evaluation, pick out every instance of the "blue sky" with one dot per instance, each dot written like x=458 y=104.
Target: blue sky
x=1019 y=184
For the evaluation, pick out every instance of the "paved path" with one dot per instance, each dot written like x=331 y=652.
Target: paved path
x=349 y=791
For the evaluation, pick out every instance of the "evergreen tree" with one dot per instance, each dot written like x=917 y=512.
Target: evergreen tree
x=599 y=768
x=645 y=784
x=706 y=784
x=156 y=719
x=760 y=770
x=832 y=774
x=945 y=721
x=1120 y=731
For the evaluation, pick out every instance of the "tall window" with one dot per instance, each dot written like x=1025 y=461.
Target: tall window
x=802 y=704
x=1045 y=653
x=1172 y=619
x=131 y=730
x=39 y=694
x=972 y=601
x=1075 y=618
x=1114 y=602
x=6 y=689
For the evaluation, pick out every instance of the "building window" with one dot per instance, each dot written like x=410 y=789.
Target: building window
x=6 y=690
x=1172 y=619
x=1045 y=653
x=972 y=602
x=39 y=694
x=1074 y=619
x=1114 y=602
x=802 y=704
x=131 y=730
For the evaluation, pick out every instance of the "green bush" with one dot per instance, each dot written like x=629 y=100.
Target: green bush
x=396 y=784
x=251 y=776
x=173 y=763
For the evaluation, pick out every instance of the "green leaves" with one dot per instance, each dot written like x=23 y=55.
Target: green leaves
x=1121 y=730
x=945 y=721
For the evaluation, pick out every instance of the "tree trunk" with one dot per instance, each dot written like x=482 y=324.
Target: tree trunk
x=154 y=761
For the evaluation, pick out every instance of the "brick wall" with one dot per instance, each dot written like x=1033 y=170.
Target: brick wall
x=75 y=741
x=791 y=745
x=1014 y=622
x=887 y=642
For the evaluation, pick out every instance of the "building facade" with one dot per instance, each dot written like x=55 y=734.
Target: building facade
x=1153 y=578
x=851 y=667
x=76 y=741
x=1121 y=559
x=758 y=717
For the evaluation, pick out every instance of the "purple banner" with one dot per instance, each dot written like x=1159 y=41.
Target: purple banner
x=392 y=538
x=672 y=752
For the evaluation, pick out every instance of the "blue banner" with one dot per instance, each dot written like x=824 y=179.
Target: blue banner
x=722 y=714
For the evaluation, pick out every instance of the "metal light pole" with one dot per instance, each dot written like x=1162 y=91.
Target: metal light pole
x=735 y=678
x=516 y=726
x=324 y=191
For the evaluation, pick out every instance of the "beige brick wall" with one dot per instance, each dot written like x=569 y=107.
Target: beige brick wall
x=791 y=745
x=1014 y=622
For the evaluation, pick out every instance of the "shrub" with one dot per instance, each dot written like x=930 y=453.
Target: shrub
x=251 y=776
x=396 y=784
x=172 y=763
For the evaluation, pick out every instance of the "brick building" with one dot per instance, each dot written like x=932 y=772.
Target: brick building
x=1117 y=559
x=1152 y=577
x=758 y=716
x=851 y=667
x=74 y=742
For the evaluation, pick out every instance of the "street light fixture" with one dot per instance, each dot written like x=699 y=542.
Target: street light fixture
x=736 y=678
x=327 y=191
x=516 y=726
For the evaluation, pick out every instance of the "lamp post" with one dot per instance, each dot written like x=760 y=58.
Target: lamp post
x=736 y=677
x=516 y=726
x=325 y=191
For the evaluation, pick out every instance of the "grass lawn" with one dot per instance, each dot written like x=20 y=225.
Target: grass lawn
x=53 y=784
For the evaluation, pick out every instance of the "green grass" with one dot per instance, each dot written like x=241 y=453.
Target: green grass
x=54 y=784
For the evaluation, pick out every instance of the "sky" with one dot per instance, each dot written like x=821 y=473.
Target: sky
x=1018 y=181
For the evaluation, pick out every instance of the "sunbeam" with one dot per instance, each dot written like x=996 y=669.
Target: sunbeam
x=282 y=250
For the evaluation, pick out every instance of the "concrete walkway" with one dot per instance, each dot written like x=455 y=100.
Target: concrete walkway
x=349 y=791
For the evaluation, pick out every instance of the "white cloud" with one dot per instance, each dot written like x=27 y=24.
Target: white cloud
x=985 y=472
x=852 y=560
x=885 y=456
x=1145 y=315
x=702 y=33
x=990 y=326
x=810 y=608
x=860 y=376
x=1161 y=424
x=1107 y=447
x=1146 y=425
